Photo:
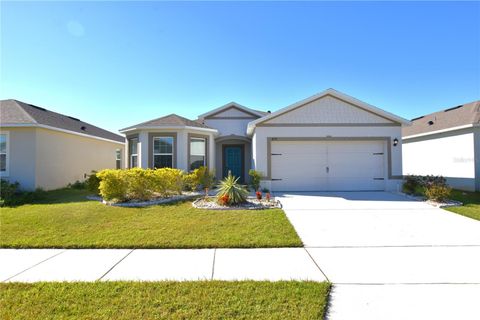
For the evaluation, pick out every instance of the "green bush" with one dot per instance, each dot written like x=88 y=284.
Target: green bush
x=113 y=184
x=77 y=185
x=8 y=191
x=230 y=187
x=93 y=183
x=438 y=192
x=167 y=181
x=255 y=178
x=11 y=195
x=191 y=181
x=140 y=183
x=433 y=187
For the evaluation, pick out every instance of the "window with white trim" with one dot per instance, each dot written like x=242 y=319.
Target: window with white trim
x=118 y=158
x=198 y=148
x=4 y=153
x=163 y=152
x=133 y=152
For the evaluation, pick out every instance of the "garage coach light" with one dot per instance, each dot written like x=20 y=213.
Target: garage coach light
x=395 y=142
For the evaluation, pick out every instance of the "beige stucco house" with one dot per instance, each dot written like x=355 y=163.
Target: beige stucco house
x=40 y=148
x=327 y=142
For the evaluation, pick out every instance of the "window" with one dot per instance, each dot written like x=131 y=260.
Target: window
x=197 y=153
x=133 y=152
x=3 y=153
x=163 y=152
x=118 y=158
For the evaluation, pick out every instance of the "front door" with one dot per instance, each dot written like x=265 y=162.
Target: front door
x=233 y=161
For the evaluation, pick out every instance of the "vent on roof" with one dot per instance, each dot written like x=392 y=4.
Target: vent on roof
x=450 y=109
x=430 y=122
x=417 y=118
x=36 y=107
x=83 y=128
x=73 y=118
x=269 y=111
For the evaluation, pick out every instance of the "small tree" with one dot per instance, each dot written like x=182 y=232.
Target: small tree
x=206 y=178
x=255 y=178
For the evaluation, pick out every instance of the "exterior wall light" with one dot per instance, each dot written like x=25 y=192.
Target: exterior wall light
x=395 y=142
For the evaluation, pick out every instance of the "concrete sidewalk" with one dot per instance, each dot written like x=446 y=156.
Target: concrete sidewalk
x=31 y=265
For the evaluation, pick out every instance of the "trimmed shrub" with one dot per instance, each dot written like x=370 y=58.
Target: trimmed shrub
x=438 y=192
x=230 y=187
x=140 y=183
x=167 y=181
x=255 y=178
x=113 y=184
x=93 y=183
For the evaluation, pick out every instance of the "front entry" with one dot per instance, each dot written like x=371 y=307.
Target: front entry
x=233 y=161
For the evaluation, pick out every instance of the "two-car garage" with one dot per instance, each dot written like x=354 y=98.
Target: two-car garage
x=328 y=142
x=322 y=165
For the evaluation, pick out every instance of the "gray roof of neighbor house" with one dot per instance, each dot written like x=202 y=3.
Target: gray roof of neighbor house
x=172 y=120
x=461 y=115
x=14 y=112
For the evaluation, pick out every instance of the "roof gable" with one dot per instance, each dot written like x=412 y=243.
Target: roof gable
x=328 y=110
x=335 y=103
x=232 y=110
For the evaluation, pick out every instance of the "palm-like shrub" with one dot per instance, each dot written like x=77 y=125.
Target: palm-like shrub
x=230 y=187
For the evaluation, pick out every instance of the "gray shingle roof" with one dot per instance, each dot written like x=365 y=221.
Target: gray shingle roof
x=16 y=112
x=168 y=121
x=466 y=114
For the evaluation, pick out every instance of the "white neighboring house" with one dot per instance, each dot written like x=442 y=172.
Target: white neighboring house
x=327 y=142
x=40 y=148
x=446 y=143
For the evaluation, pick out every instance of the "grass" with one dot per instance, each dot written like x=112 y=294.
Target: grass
x=471 y=203
x=164 y=300
x=65 y=219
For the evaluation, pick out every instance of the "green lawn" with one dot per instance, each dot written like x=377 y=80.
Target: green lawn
x=164 y=300
x=65 y=219
x=471 y=201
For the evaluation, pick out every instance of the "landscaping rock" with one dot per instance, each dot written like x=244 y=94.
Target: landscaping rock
x=252 y=203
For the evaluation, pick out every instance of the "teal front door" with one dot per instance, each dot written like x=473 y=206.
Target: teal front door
x=233 y=161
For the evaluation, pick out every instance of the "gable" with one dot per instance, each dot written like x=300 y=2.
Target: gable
x=234 y=113
x=328 y=110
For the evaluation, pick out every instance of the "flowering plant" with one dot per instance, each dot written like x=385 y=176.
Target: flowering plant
x=224 y=200
x=259 y=195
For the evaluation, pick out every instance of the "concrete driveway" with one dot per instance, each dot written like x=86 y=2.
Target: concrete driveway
x=390 y=257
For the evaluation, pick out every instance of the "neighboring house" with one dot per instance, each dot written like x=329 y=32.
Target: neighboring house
x=446 y=143
x=327 y=142
x=43 y=149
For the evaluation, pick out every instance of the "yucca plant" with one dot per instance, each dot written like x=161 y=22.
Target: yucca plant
x=230 y=187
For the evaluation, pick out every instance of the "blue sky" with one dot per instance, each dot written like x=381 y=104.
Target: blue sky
x=115 y=64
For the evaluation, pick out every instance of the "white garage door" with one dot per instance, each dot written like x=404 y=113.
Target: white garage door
x=328 y=166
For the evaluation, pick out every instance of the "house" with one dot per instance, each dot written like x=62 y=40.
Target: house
x=329 y=141
x=40 y=148
x=446 y=143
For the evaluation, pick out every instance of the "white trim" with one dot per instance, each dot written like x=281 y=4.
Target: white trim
x=167 y=128
x=43 y=126
x=334 y=93
x=440 y=131
x=229 y=105
x=6 y=173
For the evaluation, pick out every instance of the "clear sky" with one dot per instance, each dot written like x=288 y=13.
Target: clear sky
x=115 y=64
